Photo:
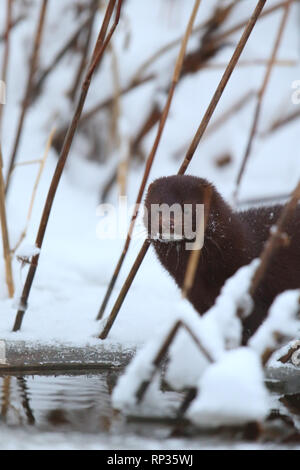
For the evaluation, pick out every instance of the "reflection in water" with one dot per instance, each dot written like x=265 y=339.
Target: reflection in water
x=25 y=400
x=5 y=397
x=82 y=403
x=69 y=402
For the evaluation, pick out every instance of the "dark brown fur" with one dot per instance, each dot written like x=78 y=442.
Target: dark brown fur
x=232 y=239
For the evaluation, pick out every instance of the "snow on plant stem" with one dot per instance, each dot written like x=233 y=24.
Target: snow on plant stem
x=231 y=391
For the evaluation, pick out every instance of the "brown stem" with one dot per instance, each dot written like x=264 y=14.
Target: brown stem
x=108 y=101
x=28 y=89
x=221 y=87
x=101 y=44
x=196 y=252
x=189 y=397
x=200 y=131
x=287 y=357
x=275 y=241
x=6 y=53
x=109 y=323
x=163 y=351
x=218 y=122
x=57 y=59
x=282 y=122
x=217 y=39
x=150 y=159
x=5 y=236
x=83 y=62
x=42 y=164
x=13 y=24
x=261 y=95
x=137 y=80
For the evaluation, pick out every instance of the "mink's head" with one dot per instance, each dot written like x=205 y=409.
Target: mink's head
x=174 y=207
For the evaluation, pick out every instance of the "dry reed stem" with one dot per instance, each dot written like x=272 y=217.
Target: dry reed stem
x=116 y=104
x=288 y=356
x=261 y=95
x=35 y=187
x=100 y=47
x=27 y=162
x=5 y=236
x=218 y=122
x=199 y=133
x=220 y=89
x=163 y=351
x=28 y=89
x=151 y=157
x=108 y=101
x=276 y=239
x=282 y=122
x=253 y=63
x=196 y=253
x=57 y=59
x=13 y=24
x=218 y=38
x=9 y=4
x=137 y=81
x=83 y=62
x=141 y=81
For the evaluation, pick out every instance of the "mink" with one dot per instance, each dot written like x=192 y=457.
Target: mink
x=231 y=239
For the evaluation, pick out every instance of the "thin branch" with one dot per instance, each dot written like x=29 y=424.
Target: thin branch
x=13 y=24
x=276 y=240
x=137 y=80
x=5 y=236
x=163 y=351
x=57 y=59
x=9 y=4
x=100 y=47
x=253 y=63
x=218 y=38
x=41 y=168
x=288 y=356
x=108 y=101
x=116 y=104
x=201 y=63
x=261 y=95
x=84 y=54
x=200 y=131
x=282 y=122
x=196 y=252
x=219 y=121
x=27 y=162
x=150 y=160
x=29 y=86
